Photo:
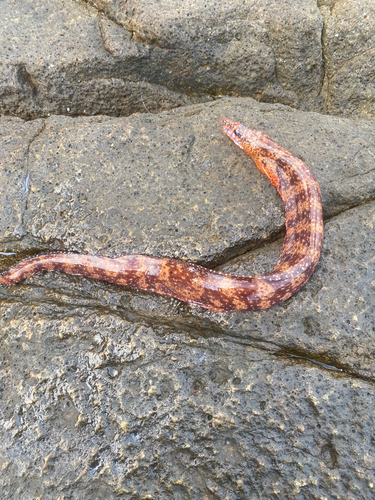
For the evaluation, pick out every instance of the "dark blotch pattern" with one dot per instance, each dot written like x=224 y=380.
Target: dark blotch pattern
x=204 y=287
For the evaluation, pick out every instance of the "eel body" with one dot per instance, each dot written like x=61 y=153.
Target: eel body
x=207 y=288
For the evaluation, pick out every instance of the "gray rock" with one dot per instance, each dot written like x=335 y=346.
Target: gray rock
x=16 y=138
x=117 y=58
x=332 y=319
x=263 y=49
x=174 y=185
x=349 y=54
x=329 y=322
x=96 y=407
x=54 y=60
x=65 y=58
x=109 y=392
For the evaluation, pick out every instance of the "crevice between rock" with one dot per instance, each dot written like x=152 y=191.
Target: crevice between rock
x=278 y=235
x=324 y=59
x=279 y=352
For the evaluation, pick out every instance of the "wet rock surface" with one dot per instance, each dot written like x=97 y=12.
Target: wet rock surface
x=107 y=392
x=111 y=391
x=173 y=184
x=15 y=139
x=55 y=61
x=332 y=320
x=272 y=51
x=104 y=407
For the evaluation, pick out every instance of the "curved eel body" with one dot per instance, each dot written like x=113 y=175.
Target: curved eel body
x=204 y=287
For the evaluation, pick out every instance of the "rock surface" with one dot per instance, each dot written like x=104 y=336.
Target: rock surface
x=112 y=392
x=95 y=407
x=55 y=61
x=349 y=48
x=173 y=184
x=116 y=57
x=107 y=392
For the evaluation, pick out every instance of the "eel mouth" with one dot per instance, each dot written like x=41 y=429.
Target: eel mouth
x=229 y=125
x=230 y=129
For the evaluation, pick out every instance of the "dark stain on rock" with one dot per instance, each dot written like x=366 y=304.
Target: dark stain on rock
x=27 y=80
x=329 y=454
x=219 y=374
x=311 y=326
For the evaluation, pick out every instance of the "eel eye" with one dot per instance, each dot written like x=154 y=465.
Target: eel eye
x=236 y=133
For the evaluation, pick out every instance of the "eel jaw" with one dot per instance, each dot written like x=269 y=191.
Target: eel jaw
x=230 y=129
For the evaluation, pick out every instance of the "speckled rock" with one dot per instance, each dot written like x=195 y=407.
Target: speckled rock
x=116 y=57
x=54 y=60
x=264 y=49
x=332 y=318
x=16 y=137
x=96 y=407
x=108 y=392
x=349 y=50
x=174 y=185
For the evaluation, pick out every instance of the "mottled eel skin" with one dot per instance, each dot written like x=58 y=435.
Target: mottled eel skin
x=203 y=287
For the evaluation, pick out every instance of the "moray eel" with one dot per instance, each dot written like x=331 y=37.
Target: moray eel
x=207 y=288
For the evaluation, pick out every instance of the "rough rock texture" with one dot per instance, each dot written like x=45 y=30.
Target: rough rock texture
x=116 y=57
x=111 y=392
x=15 y=139
x=54 y=60
x=349 y=50
x=333 y=319
x=173 y=184
x=97 y=407
x=251 y=48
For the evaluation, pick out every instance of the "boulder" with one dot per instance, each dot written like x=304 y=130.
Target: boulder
x=349 y=54
x=107 y=391
x=117 y=58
